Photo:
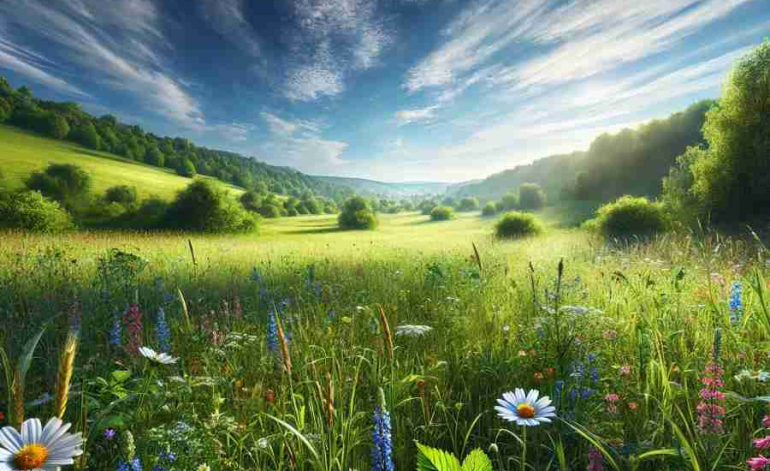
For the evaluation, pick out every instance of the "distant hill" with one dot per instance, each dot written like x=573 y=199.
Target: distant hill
x=388 y=189
x=633 y=161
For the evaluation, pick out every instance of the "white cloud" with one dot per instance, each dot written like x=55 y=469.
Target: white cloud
x=277 y=125
x=227 y=18
x=31 y=65
x=117 y=45
x=414 y=116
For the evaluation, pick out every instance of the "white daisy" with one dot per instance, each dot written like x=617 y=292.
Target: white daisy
x=155 y=357
x=413 y=330
x=37 y=448
x=203 y=467
x=525 y=409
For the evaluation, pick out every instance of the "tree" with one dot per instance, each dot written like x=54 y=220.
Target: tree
x=468 y=204
x=30 y=211
x=55 y=126
x=509 y=202
x=732 y=177
x=251 y=201
x=86 y=136
x=5 y=110
x=186 y=169
x=357 y=214
x=123 y=195
x=531 y=196
x=202 y=208
x=65 y=183
x=155 y=157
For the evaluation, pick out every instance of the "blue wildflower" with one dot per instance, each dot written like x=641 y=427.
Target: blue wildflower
x=109 y=433
x=134 y=465
x=116 y=333
x=593 y=374
x=272 y=331
x=256 y=277
x=736 y=303
x=163 y=332
x=382 y=452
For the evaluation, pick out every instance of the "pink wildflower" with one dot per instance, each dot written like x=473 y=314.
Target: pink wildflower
x=611 y=400
x=710 y=413
x=760 y=462
x=625 y=370
x=133 y=321
x=595 y=460
x=762 y=443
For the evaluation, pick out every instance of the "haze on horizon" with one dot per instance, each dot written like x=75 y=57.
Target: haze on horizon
x=395 y=90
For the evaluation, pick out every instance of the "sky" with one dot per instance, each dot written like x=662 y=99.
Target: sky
x=393 y=90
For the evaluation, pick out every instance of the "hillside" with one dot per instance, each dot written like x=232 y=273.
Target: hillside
x=22 y=153
x=387 y=189
x=633 y=161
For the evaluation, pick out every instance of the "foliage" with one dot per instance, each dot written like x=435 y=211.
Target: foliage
x=357 y=214
x=203 y=208
x=426 y=207
x=731 y=178
x=186 y=168
x=508 y=202
x=251 y=201
x=489 y=209
x=433 y=459
x=442 y=213
x=30 y=211
x=123 y=195
x=86 y=135
x=468 y=204
x=531 y=196
x=630 y=216
x=67 y=184
x=516 y=224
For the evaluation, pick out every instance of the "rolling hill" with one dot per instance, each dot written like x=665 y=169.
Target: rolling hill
x=22 y=153
x=388 y=189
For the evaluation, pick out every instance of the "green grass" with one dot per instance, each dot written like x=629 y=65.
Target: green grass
x=652 y=312
x=22 y=153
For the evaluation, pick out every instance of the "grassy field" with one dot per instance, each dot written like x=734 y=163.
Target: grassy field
x=22 y=153
x=620 y=338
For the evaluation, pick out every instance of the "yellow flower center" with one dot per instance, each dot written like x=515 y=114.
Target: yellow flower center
x=525 y=411
x=31 y=456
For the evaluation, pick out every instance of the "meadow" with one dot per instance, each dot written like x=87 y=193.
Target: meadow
x=308 y=348
x=22 y=153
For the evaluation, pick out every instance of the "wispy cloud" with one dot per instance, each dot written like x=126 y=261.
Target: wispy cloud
x=227 y=18
x=414 y=116
x=25 y=62
x=119 y=44
x=277 y=125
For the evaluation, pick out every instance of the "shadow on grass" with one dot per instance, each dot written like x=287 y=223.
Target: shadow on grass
x=425 y=221
x=319 y=230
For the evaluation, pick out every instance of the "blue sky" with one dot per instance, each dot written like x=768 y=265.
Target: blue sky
x=399 y=90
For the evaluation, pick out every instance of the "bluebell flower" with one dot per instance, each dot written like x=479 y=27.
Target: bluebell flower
x=736 y=303
x=116 y=333
x=134 y=465
x=163 y=332
x=382 y=452
x=593 y=374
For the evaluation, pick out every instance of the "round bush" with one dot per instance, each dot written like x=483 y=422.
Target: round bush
x=516 y=224
x=490 y=209
x=469 y=204
x=203 y=208
x=357 y=214
x=30 y=211
x=442 y=213
x=629 y=216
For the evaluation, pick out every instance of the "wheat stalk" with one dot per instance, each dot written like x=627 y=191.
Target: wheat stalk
x=64 y=376
x=386 y=332
x=284 y=345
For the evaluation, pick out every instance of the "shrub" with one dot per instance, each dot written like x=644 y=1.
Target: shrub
x=490 y=209
x=469 y=204
x=357 y=214
x=426 y=207
x=270 y=211
x=629 y=216
x=86 y=136
x=531 y=196
x=442 y=213
x=67 y=184
x=123 y=195
x=516 y=224
x=202 y=208
x=30 y=211
x=251 y=201
x=186 y=168
x=509 y=202
x=292 y=212
x=151 y=213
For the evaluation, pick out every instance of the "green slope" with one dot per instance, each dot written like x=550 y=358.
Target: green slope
x=22 y=153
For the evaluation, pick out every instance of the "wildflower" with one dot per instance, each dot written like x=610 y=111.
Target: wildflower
x=595 y=460
x=539 y=377
x=710 y=412
x=525 y=409
x=157 y=358
x=506 y=328
x=272 y=331
x=109 y=433
x=162 y=331
x=610 y=335
x=382 y=452
x=133 y=465
x=116 y=333
x=632 y=406
x=736 y=305
x=413 y=330
x=766 y=421
x=133 y=320
x=203 y=467
x=760 y=462
x=762 y=443
x=625 y=370
x=37 y=447
x=761 y=376
x=611 y=400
